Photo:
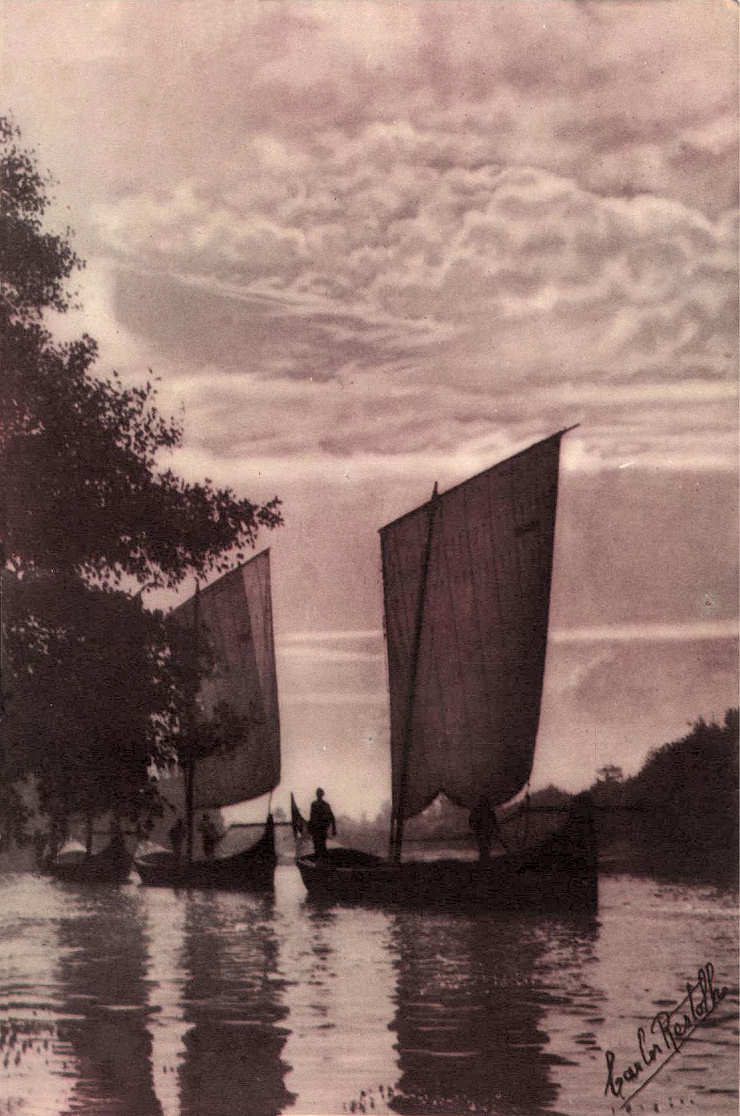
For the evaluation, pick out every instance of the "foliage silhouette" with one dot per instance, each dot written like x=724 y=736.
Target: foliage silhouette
x=85 y=509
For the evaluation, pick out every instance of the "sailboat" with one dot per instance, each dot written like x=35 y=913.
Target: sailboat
x=233 y=616
x=466 y=580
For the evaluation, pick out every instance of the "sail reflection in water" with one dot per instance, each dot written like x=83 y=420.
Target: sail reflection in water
x=227 y=1047
x=103 y=975
x=472 y=1011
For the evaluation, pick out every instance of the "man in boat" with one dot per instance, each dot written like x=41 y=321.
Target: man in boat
x=176 y=834
x=116 y=843
x=320 y=821
x=41 y=848
x=58 y=835
x=485 y=827
x=210 y=835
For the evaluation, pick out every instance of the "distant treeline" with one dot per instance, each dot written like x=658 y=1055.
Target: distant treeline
x=678 y=816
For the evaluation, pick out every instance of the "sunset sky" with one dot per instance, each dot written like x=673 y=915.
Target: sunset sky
x=371 y=246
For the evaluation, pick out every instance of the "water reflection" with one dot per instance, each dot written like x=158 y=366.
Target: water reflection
x=30 y=1000
x=165 y=915
x=471 y=1013
x=103 y=972
x=233 y=1002
x=155 y=1003
x=170 y=1003
x=341 y=1003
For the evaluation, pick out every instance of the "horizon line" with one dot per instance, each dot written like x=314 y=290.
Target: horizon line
x=660 y=631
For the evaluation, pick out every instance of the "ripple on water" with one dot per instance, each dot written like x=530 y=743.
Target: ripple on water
x=132 y=1001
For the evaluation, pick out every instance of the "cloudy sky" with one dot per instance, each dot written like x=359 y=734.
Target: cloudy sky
x=367 y=246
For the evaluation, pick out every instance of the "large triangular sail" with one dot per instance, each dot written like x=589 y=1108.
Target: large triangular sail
x=234 y=615
x=467 y=590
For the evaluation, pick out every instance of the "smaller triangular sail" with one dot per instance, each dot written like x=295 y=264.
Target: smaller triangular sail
x=234 y=614
x=477 y=560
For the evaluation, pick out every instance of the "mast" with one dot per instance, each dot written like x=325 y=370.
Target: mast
x=190 y=763
x=396 y=835
x=189 y=775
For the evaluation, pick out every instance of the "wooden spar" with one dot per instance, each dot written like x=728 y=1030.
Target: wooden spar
x=190 y=764
x=396 y=835
x=189 y=779
x=88 y=832
x=259 y=825
x=491 y=468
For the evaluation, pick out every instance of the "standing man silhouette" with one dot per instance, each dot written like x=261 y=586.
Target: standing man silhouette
x=319 y=822
x=209 y=834
x=176 y=835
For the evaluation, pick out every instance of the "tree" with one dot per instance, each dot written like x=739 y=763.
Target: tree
x=610 y=773
x=85 y=507
x=686 y=802
x=90 y=445
x=91 y=699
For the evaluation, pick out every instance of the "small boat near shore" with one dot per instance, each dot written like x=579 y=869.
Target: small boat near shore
x=466 y=584
x=74 y=864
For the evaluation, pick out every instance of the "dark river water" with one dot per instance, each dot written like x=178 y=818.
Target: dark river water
x=145 y=1001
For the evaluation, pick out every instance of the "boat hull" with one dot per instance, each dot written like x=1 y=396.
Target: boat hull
x=558 y=874
x=111 y=865
x=250 y=870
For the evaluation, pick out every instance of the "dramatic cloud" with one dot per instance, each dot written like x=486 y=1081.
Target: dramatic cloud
x=349 y=305
x=455 y=217
x=370 y=246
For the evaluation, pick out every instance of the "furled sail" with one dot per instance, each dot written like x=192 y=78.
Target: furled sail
x=467 y=589
x=234 y=614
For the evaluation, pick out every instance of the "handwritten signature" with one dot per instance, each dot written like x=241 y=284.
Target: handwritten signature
x=668 y=1031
